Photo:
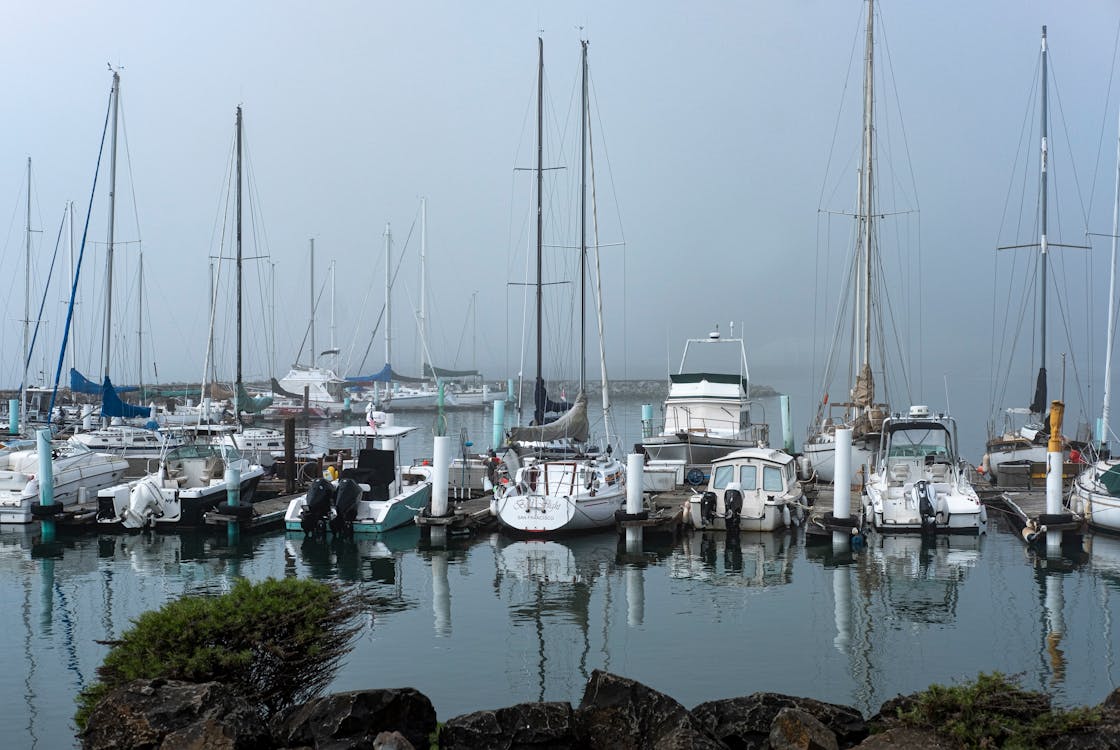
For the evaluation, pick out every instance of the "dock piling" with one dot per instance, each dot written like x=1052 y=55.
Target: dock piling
x=46 y=481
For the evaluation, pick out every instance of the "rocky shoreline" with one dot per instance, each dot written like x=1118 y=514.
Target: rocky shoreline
x=615 y=712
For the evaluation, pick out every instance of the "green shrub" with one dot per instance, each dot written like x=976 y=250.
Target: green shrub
x=277 y=642
x=993 y=711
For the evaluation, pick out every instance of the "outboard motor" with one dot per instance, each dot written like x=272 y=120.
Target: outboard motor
x=733 y=505
x=317 y=510
x=708 y=507
x=925 y=505
x=346 y=499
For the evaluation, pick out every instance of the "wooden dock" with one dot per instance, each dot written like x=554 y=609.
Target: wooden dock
x=267 y=514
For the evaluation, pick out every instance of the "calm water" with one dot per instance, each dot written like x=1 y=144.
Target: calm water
x=494 y=621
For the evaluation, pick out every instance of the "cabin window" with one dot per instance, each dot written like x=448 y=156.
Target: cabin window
x=722 y=476
x=772 y=479
x=748 y=477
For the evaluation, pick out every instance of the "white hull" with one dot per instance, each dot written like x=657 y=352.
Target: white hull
x=87 y=470
x=1018 y=455
x=376 y=516
x=1091 y=499
x=822 y=458
x=562 y=496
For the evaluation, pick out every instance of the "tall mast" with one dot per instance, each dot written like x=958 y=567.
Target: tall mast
x=388 y=298
x=1040 y=403
x=73 y=356
x=107 y=344
x=1111 y=307
x=583 y=222
x=332 y=308
x=867 y=190
x=538 y=405
x=26 y=305
x=237 y=389
x=313 y=302
x=140 y=327
x=423 y=280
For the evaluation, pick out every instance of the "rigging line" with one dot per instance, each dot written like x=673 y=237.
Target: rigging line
x=1069 y=146
x=840 y=110
x=1104 y=116
x=46 y=290
x=882 y=35
x=81 y=253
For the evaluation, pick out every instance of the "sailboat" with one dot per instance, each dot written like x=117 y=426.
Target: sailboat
x=191 y=479
x=861 y=411
x=1096 y=490
x=543 y=493
x=1025 y=432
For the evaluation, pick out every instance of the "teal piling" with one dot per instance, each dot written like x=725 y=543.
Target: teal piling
x=647 y=420
x=509 y=390
x=13 y=416
x=787 y=427
x=499 y=424
x=46 y=481
x=233 y=499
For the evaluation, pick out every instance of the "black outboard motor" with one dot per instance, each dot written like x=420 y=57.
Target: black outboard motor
x=925 y=505
x=317 y=512
x=708 y=507
x=346 y=499
x=733 y=505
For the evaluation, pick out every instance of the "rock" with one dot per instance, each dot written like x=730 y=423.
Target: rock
x=355 y=719
x=620 y=713
x=1112 y=702
x=794 y=729
x=172 y=714
x=907 y=738
x=526 y=725
x=391 y=741
x=744 y=723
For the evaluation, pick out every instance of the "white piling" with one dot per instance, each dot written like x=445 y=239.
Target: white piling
x=441 y=595
x=787 y=426
x=635 y=467
x=842 y=484
x=389 y=443
x=1054 y=477
x=441 y=465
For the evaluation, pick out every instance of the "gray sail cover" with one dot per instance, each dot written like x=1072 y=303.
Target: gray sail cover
x=573 y=424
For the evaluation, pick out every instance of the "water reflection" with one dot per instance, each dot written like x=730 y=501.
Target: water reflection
x=743 y=559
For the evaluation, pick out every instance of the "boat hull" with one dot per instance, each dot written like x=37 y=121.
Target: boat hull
x=693 y=450
x=534 y=513
x=822 y=457
x=85 y=472
x=1092 y=500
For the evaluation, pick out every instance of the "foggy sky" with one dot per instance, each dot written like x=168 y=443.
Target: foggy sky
x=717 y=127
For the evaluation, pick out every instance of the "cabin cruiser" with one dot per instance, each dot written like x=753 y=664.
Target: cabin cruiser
x=75 y=469
x=916 y=481
x=754 y=489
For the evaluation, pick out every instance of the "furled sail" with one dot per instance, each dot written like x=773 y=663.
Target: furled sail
x=251 y=404
x=443 y=372
x=112 y=406
x=279 y=390
x=383 y=376
x=79 y=383
x=571 y=425
x=863 y=392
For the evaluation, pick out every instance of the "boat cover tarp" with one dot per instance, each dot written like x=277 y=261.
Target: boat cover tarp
x=572 y=424
x=251 y=404
x=711 y=377
x=112 y=406
x=383 y=376
x=1111 y=480
x=394 y=375
x=279 y=390
x=79 y=383
x=443 y=372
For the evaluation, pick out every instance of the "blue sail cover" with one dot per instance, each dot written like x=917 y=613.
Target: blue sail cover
x=112 y=406
x=79 y=383
x=251 y=404
x=384 y=376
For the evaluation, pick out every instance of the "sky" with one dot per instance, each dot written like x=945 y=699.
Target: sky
x=723 y=136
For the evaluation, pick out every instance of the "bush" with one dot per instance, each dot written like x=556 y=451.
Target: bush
x=277 y=643
x=993 y=711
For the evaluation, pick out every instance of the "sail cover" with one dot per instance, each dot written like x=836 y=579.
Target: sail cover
x=863 y=392
x=572 y=425
x=112 y=406
x=79 y=383
x=279 y=390
x=384 y=376
x=251 y=404
x=1038 y=404
x=443 y=372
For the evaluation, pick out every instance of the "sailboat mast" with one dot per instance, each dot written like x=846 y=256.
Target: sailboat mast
x=1106 y=408
x=583 y=220
x=26 y=305
x=538 y=405
x=73 y=355
x=313 y=302
x=237 y=389
x=1040 y=387
x=140 y=327
x=107 y=345
x=423 y=280
x=388 y=293
x=332 y=309
x=867 y=190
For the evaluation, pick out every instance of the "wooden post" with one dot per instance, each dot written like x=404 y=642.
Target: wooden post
x=289 y=455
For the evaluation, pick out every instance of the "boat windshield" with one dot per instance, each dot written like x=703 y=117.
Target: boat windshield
x=203 y=450
x=918 y=442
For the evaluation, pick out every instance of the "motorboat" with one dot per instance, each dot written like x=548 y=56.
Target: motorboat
x=76 y=471
x=754 y=489
x=916 y=482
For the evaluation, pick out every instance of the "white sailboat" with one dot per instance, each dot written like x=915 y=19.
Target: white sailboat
x=918 y=482
x=542 y=493
x=1096 y=490
x=1024 y=434
x=861 y=411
